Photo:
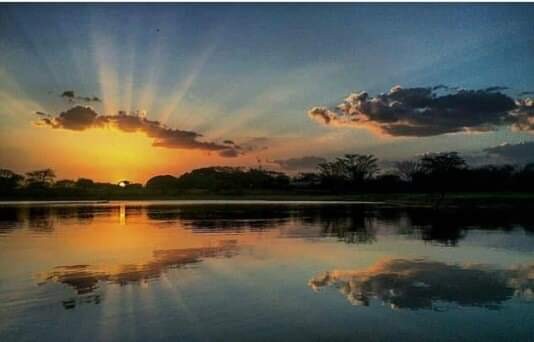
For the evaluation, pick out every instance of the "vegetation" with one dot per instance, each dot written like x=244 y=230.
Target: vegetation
x=352 y=176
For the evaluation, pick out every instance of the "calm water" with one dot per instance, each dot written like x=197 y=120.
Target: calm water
x=263 y=271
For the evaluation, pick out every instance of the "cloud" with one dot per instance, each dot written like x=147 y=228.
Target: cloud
x=229 y=153
x=80 y=118
x=254 y=144
x=513 y=153
x=420 y=112
x=77 y=118
x=303 y=163
x=70 y=95
x=421 y=284
x=522 y=118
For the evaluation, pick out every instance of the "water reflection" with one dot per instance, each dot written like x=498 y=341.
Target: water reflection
x=132 y=270
x=348 y=223
x=44 y=218
x=421 y=284
x=84 y=279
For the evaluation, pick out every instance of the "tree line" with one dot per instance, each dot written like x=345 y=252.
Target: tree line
x=351 y=173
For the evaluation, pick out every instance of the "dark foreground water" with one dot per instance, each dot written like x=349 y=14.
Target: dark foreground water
x=263 y=271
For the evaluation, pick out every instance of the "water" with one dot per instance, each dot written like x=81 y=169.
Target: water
x=197 y=271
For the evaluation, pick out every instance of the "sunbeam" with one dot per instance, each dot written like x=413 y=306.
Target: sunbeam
x=107 y=65
x=183 y=87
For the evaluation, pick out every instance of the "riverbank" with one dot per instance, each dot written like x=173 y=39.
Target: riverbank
x=452 y=200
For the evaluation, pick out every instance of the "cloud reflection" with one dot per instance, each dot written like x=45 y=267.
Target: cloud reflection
x=420 y=284
x=84 y=279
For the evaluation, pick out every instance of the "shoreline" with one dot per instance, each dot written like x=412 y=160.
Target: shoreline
x=420 y=200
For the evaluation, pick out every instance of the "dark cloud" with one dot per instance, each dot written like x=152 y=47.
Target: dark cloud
x=228 y=142
x=71 y=96
x=304 y=163
x=423 y=112
x=513 y=153
x=254 y=144
x=80 y=118
x=229 y=153
x=420 y=284
x=68 y=94
x=77 y=118
x=523 y=93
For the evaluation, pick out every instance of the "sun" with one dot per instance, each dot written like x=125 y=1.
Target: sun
x=123 y=184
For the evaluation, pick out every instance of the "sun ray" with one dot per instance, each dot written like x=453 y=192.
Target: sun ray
x=107 y=72
x=149 y=89
x=13 y=99
x=183 y=87
x=39 y=49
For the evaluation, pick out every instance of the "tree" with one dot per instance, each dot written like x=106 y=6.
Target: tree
x=9 y=181
x=442 y=163
x=331 y=174
x=43 y=177
x=84 y=183
x=359 y=167
x=64 y=184
x=306 y=179
x=164 y=183
x=408 y=169
x=525 y=178
x=491 y=178
x=233 y=179
x=351 y=169
x=442 y=168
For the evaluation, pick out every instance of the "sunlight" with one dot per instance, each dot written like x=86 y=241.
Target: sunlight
x=219 y=171
x=148 y=91
x=183 y=87
x=107 y=62
x=14 y=101
x=122 y=209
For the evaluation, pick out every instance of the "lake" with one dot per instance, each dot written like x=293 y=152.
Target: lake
x=216 y=270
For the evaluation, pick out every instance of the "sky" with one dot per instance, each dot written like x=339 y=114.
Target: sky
x=111 y=92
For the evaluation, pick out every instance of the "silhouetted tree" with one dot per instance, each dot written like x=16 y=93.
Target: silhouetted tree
x=525 y=178
x=350 y=170
x=9 y=181
x=40 y=178
x=442 y=168
x=232 y=179
x=490 y=178
x=442 y=163
x=165 y=183
x=332 y=175
x=306 y=179
x=65 y=184
x=408 y=169
x=434 y=173
x=386 y=183
x=84 y=183
x=359 y=167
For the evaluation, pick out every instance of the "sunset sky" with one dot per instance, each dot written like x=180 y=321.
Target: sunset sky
x=114 y=92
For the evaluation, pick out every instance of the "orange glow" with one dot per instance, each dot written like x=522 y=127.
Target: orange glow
x=106 y=154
